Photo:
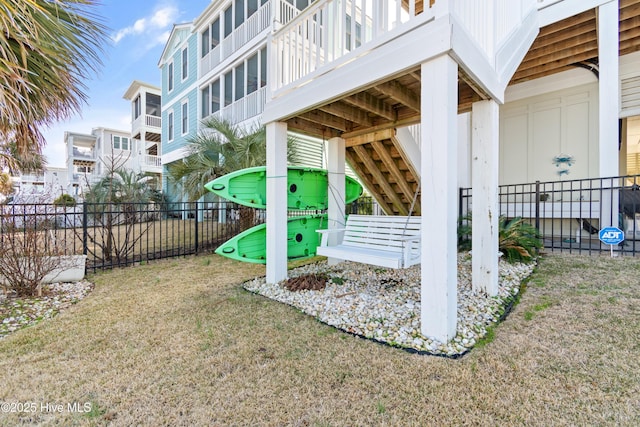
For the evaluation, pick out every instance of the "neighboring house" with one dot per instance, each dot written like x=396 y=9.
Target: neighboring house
x=91 y=156
x=146 y=127
x=217 y=65
x=39 y=187
x=451 y=93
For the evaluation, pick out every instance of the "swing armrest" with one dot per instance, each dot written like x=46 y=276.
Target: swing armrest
x=325 y=234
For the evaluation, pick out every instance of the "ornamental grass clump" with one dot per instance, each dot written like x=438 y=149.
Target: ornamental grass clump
x=518 y=240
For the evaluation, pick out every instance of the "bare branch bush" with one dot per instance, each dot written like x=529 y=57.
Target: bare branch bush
x=120 y=208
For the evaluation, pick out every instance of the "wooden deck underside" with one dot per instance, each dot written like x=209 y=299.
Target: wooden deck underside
x=366 y=120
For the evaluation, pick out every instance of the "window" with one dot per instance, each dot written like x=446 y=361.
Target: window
x=185 y=118
x=252 y=74
x=170 y=77
x=252 y=7
x=239 y=9
x=239 y=81
x=206 y=102
x=228 y=88
x=215 y=33
x=215 y=96
x=120 y=142
x=263 y=67
x=185 y=63
x=228 y=21
x=137 y=107
x=205 y=44
x=153 y=104
x=170 y=126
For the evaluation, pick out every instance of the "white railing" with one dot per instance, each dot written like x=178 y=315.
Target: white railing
x=31 y=178
x=154 y=161
x=210 y=60
x=329 y=30
x=149 y=121
x=489 y=23
x=240 y=36
x=244 y=108
x=153 y=121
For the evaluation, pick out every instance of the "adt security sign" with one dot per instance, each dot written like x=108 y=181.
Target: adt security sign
x=611 y=235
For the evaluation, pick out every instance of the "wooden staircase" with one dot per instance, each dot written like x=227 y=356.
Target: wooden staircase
x=386 y=173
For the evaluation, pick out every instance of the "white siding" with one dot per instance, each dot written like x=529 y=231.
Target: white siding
x=535 y=130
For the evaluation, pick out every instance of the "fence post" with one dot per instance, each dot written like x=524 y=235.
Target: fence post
x=85 y=246
x=538 y=206
x=196 y=223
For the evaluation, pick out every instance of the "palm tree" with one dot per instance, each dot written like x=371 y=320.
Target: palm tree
x=47 y=49
x=6 y=186
x=219 y=149
x=116 y=203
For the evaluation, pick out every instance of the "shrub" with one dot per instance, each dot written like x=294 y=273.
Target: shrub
x=65 y=200
x=27 y=255
x=518 y=240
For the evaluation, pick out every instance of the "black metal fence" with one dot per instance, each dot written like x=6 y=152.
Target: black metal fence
x=570 y=213
x=115 y=235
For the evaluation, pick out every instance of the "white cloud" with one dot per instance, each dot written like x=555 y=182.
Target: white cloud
x=149 y=26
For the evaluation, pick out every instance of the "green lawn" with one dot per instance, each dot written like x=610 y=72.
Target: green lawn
x=179 y=342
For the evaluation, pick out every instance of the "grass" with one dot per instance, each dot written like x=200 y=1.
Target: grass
x=180 y=343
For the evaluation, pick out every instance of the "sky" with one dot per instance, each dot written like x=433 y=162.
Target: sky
x=138 y=31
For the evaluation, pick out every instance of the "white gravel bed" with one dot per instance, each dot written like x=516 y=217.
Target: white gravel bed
x=384 y=304
x=17 y=313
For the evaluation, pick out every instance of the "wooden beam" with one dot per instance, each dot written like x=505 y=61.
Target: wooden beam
x=531 y=72
x=393 y=169
x=370 y=103
x=570 y=22
x=380 y=179
x=560 y=36
x=472 y=85
x=326 y=119
x=550 y=55
x=370 y=186
x=349 y=112
x=310 y=128
x=398 y=123
x=370 y=136
x=628 y=10
x=401 y=94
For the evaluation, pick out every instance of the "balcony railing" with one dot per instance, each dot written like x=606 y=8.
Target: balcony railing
x=245 y=108
x=146 y=120
x=240 y=36
x=329 y=30
x=330 y=33
x=153 y=161
x=31 y=178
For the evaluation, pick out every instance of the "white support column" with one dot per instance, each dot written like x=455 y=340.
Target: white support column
x=609 y=98
x=439 y=107
x=485 y=211
x=276 y=201
x=336 y=210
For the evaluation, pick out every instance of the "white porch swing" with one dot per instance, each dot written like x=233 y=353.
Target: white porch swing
x=381 y=240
